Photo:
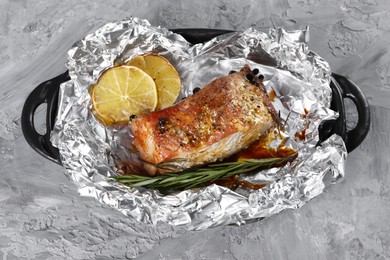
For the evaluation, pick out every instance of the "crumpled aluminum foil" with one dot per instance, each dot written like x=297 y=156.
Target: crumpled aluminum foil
x=299 y=77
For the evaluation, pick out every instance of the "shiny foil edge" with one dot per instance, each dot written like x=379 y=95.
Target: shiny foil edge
x=299 y=75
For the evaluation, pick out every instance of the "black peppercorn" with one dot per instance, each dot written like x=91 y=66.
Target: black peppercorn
x=261 y=77
x=162 y=121
x=249 y=77
x=195 y=90
x=255 y=71
x=132 y=117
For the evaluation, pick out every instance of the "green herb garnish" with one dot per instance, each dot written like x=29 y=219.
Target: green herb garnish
x=200 y=177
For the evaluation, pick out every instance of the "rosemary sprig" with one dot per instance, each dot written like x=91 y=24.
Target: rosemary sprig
x=199 y=177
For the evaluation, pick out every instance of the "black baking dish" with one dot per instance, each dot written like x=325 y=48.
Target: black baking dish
x=342 y=88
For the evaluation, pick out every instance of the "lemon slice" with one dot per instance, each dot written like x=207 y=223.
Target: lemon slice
x=164 y=75
x=121 y=92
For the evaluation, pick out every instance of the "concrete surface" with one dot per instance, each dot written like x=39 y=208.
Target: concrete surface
x=43 y=217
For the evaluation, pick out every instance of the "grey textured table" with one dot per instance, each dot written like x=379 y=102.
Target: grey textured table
x=43 y=217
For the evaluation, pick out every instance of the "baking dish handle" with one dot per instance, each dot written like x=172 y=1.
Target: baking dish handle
x=349 y=90
x=45 y=93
